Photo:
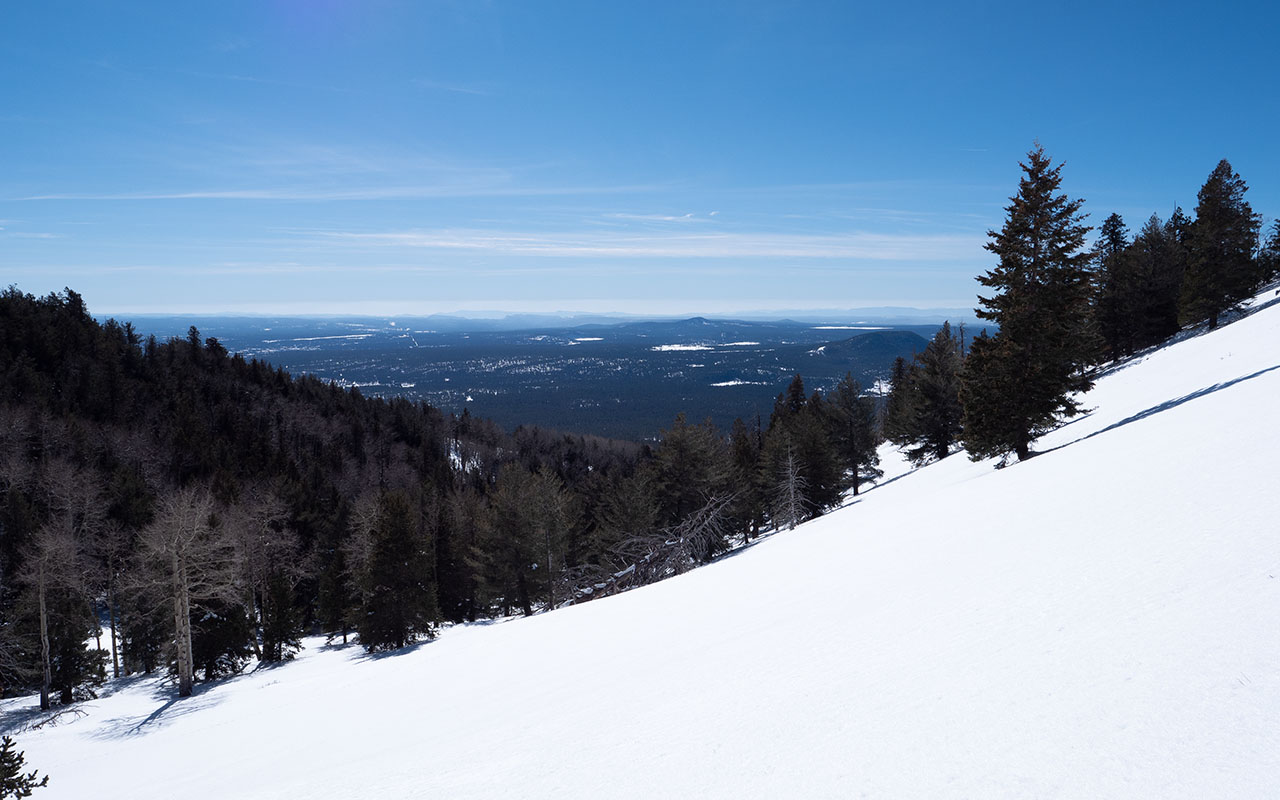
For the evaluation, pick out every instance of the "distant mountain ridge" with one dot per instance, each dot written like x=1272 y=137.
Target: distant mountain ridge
x=176 y=324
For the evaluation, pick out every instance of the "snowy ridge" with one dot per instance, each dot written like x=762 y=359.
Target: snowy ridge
x=1100 y=621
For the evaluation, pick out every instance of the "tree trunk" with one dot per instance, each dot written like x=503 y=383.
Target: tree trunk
x=1022 y=449
x=182 y=631
x=523 y=587
x=551 y=579
x=47 y=681
x=255 y=622
x=111 y=613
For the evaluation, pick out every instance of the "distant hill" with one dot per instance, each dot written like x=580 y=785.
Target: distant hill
x=879 y=347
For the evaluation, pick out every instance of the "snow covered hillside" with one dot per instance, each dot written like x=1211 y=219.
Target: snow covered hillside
x=1100 y=621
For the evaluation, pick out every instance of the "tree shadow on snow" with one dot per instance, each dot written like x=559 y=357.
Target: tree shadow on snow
x=399 y=651
x=26 y=718
x=1168 y=404
x=17 y=720
x=171 y=707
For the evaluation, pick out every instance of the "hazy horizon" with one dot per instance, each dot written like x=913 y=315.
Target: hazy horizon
x=388 y=311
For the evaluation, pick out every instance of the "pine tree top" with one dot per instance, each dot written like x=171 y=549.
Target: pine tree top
x=1041 y=243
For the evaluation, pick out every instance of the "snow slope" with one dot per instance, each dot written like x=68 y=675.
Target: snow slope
x=1100 y=621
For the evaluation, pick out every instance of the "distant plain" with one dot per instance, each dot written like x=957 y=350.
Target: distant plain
x=625 y=380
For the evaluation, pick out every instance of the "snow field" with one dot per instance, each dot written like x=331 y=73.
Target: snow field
x=1100 y=621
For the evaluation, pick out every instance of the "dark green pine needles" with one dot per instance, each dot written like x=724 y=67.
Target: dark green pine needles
x=1019 y=382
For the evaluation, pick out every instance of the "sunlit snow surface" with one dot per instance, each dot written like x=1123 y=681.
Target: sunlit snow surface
x=1101 y=621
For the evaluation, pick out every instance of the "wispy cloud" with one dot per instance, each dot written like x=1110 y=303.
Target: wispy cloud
x=359 y=193
x=854 y=245
x=456 y=88
x=309 y=171
x=690 y=217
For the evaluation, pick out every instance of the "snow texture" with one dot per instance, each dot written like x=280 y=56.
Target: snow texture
x=1098 y=622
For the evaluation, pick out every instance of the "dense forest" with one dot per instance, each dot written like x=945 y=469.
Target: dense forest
x=167 y=505
x=209 y=509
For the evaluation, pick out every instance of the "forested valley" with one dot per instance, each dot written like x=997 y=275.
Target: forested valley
x=208 y=509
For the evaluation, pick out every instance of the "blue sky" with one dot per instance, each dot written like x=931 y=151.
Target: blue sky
x=362 y=156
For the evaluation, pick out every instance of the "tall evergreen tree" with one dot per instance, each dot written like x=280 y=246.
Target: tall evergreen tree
x=1269 y=256
x=747 y=509
x=1221 y=270
x=1116 y=286
x=898 y=423
x=817 y=449
x=399 y=600
x=528 y=526
x=853 y=422
x=937 y=419
x=1157 y=260
x=690 y=466
x=629 y=513
x=794 y=399
x=1019 y=382
x=800 y=439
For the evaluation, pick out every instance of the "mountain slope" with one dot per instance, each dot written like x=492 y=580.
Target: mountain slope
x=1100 y=621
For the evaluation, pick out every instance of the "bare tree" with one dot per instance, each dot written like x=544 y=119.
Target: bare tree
x=266 y=550
x=56 y=574
x=51 y=565
x=651 y=556
x=358 y=547
x=111 y=549
x=790 y=505
x=191 y=564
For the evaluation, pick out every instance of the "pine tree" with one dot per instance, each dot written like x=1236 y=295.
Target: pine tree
x=690 y=466
x=13 y=783
x=629 y=513
x=1117 y=287
x=936 y=421
x=1157 y=260
x=801 y=440
x=1269 y=257
x=794 y=399
x=1019 y=382
x=747 y=509
x=526 y=535
x=399 y=600
x=854 y=431
x=1221 y=270
x=817 y=449
x=898 y=422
